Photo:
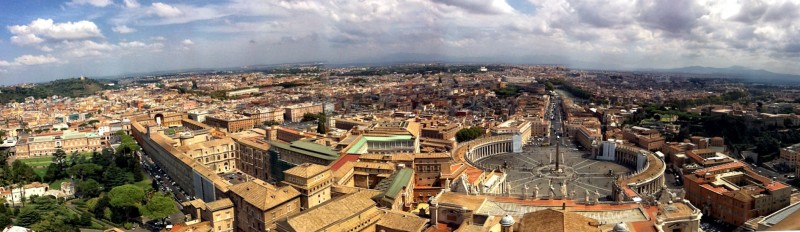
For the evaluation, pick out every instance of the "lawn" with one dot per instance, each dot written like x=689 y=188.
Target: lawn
x=39 y=164
x=56 y=185
x=146 y=184
x=40 y=171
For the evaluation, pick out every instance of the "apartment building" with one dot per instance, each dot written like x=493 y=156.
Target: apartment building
x=230 y=122
x=294 y=113
x=734 y=193
x=259 y=205
x=313 y=181
x=68 y=141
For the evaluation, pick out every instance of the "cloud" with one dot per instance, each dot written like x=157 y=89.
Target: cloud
x=96 y=3
x=673 y=16
x=29 y=60
x=131 y=3
x=164 y=10
x=480 y=6
x=40 y=29
x=35 y=60
x=187 y=42
x=26 y=39
x=122 y=29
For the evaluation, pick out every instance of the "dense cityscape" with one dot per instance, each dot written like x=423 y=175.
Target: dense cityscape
x=417 y=147
x=399 y=115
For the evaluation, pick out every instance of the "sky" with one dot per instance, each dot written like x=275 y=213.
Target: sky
x=43 y=40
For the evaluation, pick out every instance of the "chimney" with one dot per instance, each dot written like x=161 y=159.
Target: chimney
x=563 y=206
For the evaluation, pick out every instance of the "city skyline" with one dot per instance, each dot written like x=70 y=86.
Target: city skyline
x=46 y=40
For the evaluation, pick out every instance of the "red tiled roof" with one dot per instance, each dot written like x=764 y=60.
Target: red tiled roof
x=345 y=158
x=732 y=165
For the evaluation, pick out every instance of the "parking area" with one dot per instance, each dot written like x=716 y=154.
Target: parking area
x=167 y=185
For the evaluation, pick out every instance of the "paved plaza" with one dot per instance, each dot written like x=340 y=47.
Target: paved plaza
x=534 y=168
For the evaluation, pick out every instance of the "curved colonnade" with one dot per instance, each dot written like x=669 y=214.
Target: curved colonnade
x=645 y=181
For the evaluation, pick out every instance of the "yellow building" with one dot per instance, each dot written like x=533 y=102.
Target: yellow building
x=313 y=181
x=219 y=213
x=260 y=205
x=353 y=212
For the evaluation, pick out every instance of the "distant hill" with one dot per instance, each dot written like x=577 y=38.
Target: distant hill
x=74 y=87
x=754 y=75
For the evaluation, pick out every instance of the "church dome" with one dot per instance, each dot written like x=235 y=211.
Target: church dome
x=621 y=227
x=507 y=220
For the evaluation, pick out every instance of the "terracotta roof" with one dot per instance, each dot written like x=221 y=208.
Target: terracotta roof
x=402 y=221
x=263 y=195
x=342 y=160
x=331 y=212
x=438 y=155
x=223 y=203
x=471 y=202
x=306 y=170
x=556 y=220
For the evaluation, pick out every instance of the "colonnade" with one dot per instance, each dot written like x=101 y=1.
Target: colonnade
x=488 y=149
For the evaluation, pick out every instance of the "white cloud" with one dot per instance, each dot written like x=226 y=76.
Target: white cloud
x=40 y=29
x=26 y=39
x=97 y=3
x=29 y=60
x=164 y=10
x=123 y=29
x=131 y=3
x=187 y=42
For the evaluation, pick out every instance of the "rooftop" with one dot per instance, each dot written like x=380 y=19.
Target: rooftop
x=263 y=195
x=306 y=170
x=331 y=212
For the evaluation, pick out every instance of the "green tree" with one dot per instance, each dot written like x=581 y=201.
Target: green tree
x=114 y=176
x=126 y=197
x=138 y=174
x=88 y=188
x=271 y=123
x=467 y=134
x=322 y=127
x=28 y=216
x=307 y=117
x=22 y=172
x=83 y=170
x=159 y=207
x=4 y=220
x=53 y=222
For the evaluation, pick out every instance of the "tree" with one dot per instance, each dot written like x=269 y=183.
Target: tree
x=126 y=196
x=28 y=216
x=52 y=222
x=114 y=176
x=322 y=127
x=307 y=117
x=84 y=170
x=4 y=220
x=21 y=171
x=468 y=134
x=271 y=123
x=137 y=173
x=159 y=207
x=548 y=86
x=88 y=188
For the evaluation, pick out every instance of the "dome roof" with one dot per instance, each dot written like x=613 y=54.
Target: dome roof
x=507 y=220
x=621 y=227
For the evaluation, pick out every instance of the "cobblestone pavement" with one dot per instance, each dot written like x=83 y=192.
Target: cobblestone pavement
x=533 y=167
